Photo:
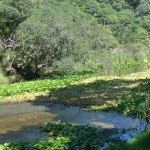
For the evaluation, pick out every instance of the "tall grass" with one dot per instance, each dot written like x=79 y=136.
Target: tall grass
x=120 y=61
x=142 y=142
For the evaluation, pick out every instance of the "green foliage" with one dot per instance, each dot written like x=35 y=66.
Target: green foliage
x=144 y=8
x=23 y=6
x=65 y=136
x=50 y=35
x=12 y=13
x=145 y=23
x=107 y=15
x=142 y=142
x=133 y=3
x=119 y=5
x=71 y=36
x=9 y=19
x=120 y=17
x=39 y=85
x=59 y=143
x=135 y=104
x=80 y=136
x=3 y=79
x=126 y=59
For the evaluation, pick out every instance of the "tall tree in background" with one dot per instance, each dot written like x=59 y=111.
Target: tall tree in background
x=133 y=3
x=12 y=13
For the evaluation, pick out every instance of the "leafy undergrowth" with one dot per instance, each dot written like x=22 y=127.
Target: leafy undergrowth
x=142 y=142
x=66 y=136
x=38 y=85
x=136 y=103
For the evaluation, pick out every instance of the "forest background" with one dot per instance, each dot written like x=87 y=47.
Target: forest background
x=40 y=38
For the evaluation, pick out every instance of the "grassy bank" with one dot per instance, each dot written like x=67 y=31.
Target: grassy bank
x=126 y=94
x=142 y=142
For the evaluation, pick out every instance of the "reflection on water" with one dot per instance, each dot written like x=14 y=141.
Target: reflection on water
x=23 y=126
x=22 y=121
x=15 y=122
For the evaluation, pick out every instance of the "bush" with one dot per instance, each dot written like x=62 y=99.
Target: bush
x=3 y=79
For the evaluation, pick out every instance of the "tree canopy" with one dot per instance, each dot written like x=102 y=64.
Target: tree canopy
x=48 y=34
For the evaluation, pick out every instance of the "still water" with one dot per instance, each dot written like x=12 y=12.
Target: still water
x=21 y=122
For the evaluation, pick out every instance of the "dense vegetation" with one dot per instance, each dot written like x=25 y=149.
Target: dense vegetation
x=65 y=136
x=141 y=142
x=38 y=85
x=67 y=41
x=39 y=38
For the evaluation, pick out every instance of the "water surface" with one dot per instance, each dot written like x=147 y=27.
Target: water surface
x=21 y=121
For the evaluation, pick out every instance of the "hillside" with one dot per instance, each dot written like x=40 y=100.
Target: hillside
x=41 y=38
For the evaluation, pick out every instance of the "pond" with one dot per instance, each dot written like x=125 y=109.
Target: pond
x=21 y=121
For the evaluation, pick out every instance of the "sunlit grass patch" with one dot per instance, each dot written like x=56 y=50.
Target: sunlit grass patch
x=38 y=85
x=27 y=97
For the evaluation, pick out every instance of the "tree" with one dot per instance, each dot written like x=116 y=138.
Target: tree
x=9 y=20
x=106 y=14
x=50 y=35
x=133 y=3
x=143 y=9
x=12 y=13
x=145 y=23
x=25 y=7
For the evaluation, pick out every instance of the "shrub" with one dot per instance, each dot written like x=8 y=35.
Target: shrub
x=3 y=79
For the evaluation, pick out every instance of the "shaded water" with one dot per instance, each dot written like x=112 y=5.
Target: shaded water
x=22 y=121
